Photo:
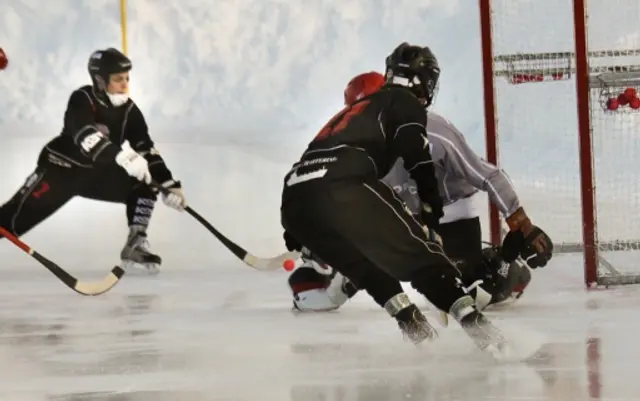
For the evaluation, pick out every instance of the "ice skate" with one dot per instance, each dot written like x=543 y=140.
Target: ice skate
x=483 y=333
x=412 y=322
x=414 y=325
x=486 y=336
x=136 y=256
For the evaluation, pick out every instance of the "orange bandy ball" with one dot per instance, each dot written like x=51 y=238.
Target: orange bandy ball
x=289 y=265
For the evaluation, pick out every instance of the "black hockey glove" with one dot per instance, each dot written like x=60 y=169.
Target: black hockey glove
x=512 y=245
x=291 y=243
x=527 y=241
x=533 y=258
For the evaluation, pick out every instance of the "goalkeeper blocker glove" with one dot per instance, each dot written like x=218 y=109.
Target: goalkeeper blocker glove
x=526 y=240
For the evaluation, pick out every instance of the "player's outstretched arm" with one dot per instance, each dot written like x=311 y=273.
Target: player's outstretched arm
x=525 y=239
x=465 y=163
x=137 y=132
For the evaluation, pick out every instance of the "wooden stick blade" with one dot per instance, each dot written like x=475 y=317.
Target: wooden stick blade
x=100 y=287
x=274 y=263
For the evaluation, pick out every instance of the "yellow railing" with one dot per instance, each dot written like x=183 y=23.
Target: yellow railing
x=123 y=25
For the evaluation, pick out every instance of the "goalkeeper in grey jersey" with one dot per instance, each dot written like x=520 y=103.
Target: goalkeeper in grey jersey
x=495 y=274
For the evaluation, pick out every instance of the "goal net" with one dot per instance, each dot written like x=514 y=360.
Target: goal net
x=533 y=105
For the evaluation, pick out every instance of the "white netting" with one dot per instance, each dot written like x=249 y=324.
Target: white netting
x=537 y=118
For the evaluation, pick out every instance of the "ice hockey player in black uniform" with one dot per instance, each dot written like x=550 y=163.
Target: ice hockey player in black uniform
x=334 y=203
x=105 y=153
x=462 y=176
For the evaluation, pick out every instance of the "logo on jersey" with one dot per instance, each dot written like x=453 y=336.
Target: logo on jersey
x=294 y=178
x=43 y=189
x=53 y=159
x=406 y=187
x=504 y=269
x=320 y=160
x=90 y=141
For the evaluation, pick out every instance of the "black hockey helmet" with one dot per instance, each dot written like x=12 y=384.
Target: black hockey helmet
x=103 y=63
x=416 y=68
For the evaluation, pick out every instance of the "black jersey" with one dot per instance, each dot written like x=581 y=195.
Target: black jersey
x=364 y=140
x=93 y=132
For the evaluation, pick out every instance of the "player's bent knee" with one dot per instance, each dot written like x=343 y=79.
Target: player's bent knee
x=440 y=284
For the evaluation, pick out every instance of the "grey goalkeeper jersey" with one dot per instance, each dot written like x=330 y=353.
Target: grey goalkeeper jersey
x=459 y=170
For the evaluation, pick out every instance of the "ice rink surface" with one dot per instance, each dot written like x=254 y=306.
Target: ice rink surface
x=227 y=333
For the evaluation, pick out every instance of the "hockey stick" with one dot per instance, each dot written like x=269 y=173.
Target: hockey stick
x=257 y=263
x=81 y=287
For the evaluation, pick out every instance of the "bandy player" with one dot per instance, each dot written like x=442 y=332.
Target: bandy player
x=463 y=176
x=105 y=153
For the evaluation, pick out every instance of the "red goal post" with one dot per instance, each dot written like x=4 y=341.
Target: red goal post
x=561 y=114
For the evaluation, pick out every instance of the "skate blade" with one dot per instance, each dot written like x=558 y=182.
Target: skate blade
x=423 y=340
x=504 y=304
x=139 y=269
x=503 y=353
x=523 y=344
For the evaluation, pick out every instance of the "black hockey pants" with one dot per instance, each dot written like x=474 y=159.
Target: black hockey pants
x=362 y=229
x=51 y=186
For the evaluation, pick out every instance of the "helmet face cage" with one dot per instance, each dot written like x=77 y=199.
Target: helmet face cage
x=429 y=82
x=434 y=94
x=416 y=68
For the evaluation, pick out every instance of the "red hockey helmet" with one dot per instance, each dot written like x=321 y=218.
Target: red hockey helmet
x=362 y=85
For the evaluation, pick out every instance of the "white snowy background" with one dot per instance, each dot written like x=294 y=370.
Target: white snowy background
x=234 y=89
x=256 y=70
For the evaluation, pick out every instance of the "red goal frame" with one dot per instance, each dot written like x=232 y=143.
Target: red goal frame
x=587 y=188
